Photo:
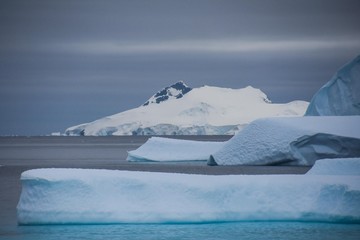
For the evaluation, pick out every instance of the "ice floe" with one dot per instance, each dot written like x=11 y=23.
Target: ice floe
x=167 y=149
x=83 y=196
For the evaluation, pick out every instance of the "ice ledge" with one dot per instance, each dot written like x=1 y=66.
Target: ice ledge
x=81 y=196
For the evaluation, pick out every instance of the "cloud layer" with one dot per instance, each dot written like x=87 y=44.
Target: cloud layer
x=67 y=62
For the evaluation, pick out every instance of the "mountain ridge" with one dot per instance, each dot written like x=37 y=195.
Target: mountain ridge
x=205 y=110
x=176 y=90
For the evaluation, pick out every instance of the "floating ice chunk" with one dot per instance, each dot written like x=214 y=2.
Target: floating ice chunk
x=81 y=196
x=341 y=95
x=167 y=149
x=268 y=141
x=336 y=166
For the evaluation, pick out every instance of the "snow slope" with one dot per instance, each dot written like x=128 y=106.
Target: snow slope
x=291 y=141
x=341 y=95
x=83 y=196
x=295 y=141
x=204 y=110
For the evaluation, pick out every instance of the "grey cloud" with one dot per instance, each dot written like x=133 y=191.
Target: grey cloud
x=67 y=62
x=167 y=20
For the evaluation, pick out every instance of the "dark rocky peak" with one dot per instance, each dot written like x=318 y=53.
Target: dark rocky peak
x=175 y=91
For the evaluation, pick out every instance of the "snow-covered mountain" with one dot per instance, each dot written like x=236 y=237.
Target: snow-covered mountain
x=180 y=110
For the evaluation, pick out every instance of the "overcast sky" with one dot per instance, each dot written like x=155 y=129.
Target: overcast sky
x=68 y=62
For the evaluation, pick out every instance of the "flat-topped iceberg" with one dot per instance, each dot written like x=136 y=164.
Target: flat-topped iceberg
x=166 y=149
x=83 y=196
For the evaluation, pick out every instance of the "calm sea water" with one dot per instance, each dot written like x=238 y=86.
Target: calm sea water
x=20 y=154
x=223 y=231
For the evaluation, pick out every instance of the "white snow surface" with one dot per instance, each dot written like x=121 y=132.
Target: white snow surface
x=205 y=110
x=336 y=166
x=341 y=95
x=292 y=141
x=166 y=149
x=268 y=141
x=83 y=196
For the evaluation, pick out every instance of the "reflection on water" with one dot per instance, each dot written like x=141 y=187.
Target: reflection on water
x=240 y=230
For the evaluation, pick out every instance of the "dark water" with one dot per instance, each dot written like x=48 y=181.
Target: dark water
x=23 y=153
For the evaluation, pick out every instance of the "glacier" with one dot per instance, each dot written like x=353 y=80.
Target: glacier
x=291 y=141
x=180 y=110
x=89 y=196
x=341 y=95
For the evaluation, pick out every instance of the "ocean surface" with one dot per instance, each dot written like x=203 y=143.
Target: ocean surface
x=18 y=154
x=223 y=231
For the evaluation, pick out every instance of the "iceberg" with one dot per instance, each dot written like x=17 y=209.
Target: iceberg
x=89 y=196
x=341 y=95
x=292 y=141
x=301 y=141
x=166 y=149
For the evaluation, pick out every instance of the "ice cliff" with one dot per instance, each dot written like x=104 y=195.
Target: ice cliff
x=341 y=95
x=83 y=196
